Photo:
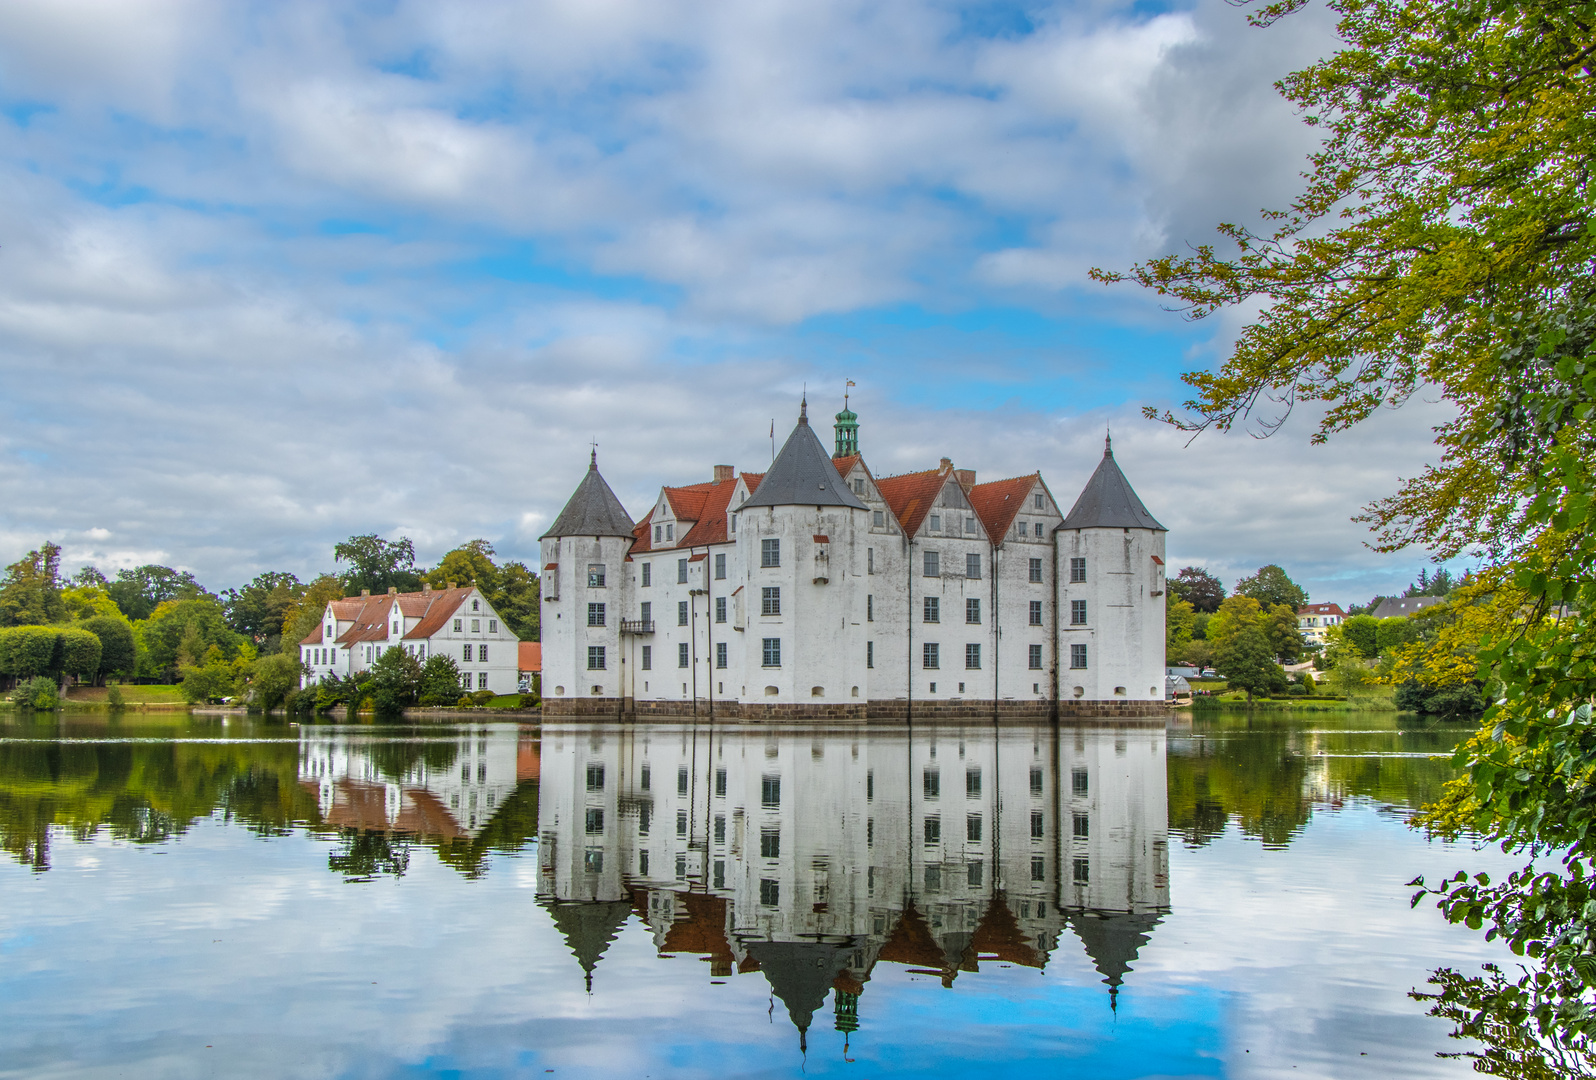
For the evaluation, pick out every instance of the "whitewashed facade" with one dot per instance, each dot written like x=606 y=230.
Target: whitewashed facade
x=455 y=622
x=818 y=589
x=813 y=854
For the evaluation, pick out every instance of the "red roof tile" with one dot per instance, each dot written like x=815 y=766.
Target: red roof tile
x=529 y=656
x=845 y=463
x=433 y=609
x=1321 y=609
x=912 y=495
x=997 y=503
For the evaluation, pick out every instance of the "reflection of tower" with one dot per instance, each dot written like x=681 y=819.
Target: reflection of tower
x=810 y=855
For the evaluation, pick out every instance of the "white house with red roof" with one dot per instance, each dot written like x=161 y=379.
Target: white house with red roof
x=1314 y=620
x=818 y=589
x=454 y=622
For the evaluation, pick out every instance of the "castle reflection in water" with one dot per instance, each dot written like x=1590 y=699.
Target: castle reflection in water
x=811 y=855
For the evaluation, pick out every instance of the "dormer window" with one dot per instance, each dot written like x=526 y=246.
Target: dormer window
x=670 y=532
x=659 y=533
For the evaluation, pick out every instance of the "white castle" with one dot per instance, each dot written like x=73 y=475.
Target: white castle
x=818 y=589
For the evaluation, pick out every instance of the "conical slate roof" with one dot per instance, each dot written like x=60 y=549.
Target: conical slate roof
x=593 y=510
x=803 y=475
x=1107 y=501
x=589 y=928
x=1112 y=941
x=800 y=973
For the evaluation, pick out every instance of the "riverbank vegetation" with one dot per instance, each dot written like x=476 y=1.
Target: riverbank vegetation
x=1444 y=243
x=154 y=624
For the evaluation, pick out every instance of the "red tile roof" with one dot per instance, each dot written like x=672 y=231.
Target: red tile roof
x=529 y=656
x=996 y=503
x=912 y=495
x=371 y=615
x=845 y=463
x=705 y=505
x=433 y=609
x=1321 y=609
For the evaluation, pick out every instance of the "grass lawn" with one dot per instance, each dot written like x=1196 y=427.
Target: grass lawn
x=132 y=695
x=506 y=701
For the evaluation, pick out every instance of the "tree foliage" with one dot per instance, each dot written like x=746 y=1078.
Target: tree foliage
x=118 y=652
x=1240 y=633
x=377 y=564
x=1178 y=621
x=511 y=589
x=257 y=610
x=1270 y=586
x=1199 y=588
x=30 y=593
x=182 y=632
x=138 y=592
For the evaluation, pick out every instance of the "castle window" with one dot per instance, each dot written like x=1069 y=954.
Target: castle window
x=1036 y=613
x=1036 y=500
x=1036 y=570
x=878 y=518
x=1022 y=529
x=476 y=605
x=1036 y=657
x=972 y=610
x=769 y=892
x=595 y=579
x=931 y=783
x=720 y=609
x=720 y=567
x=870 y=607
x=770 y=843
x=972 y=564
x=681 y=823
x=1077 y=612
x=476 y=626
x=770 y=553
x=772 y=652
x=659 y=533
x=595 y=777
x=466 y=651
x=969 y=525
x=648 y=575
x=595 y=658
x=1077 y=656
x=1036 y=781
x=1083 y=872
x=646 y=611
x=1039 y=530
x=493 y=626
x=870 y=654
x=1038 y=868
x=870 y=560
x=482 y=654
x=681 y=571
x=936 y=522
x=595 y=616
x=972 y=829
x=594 y=823
x=1077 y=570
x=720 y=654
x=1080 y=782
x=930 y=655
x=770 y=601
x=1083 y=827
x=681 y=655
x=972 y=874
x=972 y=658
x=932 y=609
x=933 y=566
x=681 y=781
x=720 y=792
x=681 y=613
x=670 y=531
x=770 y=792
x=933 y=830
x=648 y=662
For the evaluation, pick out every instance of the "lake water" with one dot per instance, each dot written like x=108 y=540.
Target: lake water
x=191 y=896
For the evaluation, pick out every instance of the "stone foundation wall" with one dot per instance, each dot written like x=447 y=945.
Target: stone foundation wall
x=1029 y=710
x=601 y=707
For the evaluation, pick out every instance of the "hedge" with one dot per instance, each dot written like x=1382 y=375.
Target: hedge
x=29 y=651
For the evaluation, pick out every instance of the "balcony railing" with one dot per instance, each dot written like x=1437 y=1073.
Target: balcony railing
x=637 y=626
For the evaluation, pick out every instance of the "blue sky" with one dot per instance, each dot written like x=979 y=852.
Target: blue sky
x=276 y=274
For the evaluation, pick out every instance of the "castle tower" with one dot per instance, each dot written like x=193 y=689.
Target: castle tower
x=847 y=429
x=1110 y=593
x=801 y=536
x=585 y=592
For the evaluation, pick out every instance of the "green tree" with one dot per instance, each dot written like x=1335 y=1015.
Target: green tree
x=302 y=617
x=1178 y=620
x=377 y=564
x=271 y=679
x=257 y=609
x=30 y=593
x=512 y=589
x=138 y=592
x=27 y=651
x=87 y=601
x=1199 y=654
x=519 y=600
x=440 y=681
x=1393 y=633
x=1243 y=652
x=1199 y=588
x=183 y=631
x=1445 y=241
x=87 y=577
x=395 y=680
x=1270 y=586
x=118 y=653
x=1362 y=633
x=78 y=652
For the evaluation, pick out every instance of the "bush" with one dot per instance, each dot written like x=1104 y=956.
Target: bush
x=440 y=681
x=37 y=693
x=530 y=701
x=1457 y=701
x=482 y=697
x=113 y=696
x=80 y=651
x=26 y=651
x=272 y=679
x=465 y=701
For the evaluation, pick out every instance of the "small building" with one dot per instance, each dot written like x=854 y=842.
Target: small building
x=530 y=664
x=1176 y=688
x=1396 y=607
x=1314 y=619
x=455 y=622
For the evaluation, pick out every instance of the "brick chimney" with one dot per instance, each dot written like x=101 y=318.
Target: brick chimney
x=365 y=592
x=724 y=473
x=425 y=587
x=947 y=463
x=393 y=590
x=966 y=478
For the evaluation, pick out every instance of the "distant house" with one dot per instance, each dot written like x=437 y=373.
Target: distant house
x=1398 y=606
x=530 y=663
x=1314 y=619
x=453 y=622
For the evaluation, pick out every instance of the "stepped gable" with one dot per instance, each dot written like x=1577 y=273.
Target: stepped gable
x=1112 y=941
x=803 y=475
x=593 y=510
x=588 y=929
x=911 y=495
x=998 y=502
x=1107 y=501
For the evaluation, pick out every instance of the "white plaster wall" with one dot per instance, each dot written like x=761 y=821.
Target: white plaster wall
x=566 y=635
x=1124 y=632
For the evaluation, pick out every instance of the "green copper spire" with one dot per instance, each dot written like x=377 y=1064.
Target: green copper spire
x=847 y=429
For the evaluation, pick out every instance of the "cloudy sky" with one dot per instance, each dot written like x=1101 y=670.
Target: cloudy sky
x=275 y=274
